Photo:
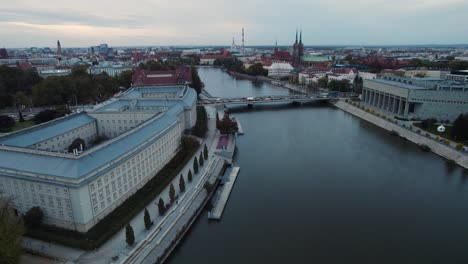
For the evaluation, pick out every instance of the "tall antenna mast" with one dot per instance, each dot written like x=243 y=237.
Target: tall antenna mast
x=242 y=40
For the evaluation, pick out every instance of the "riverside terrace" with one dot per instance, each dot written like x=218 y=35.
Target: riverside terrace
x=76 y=190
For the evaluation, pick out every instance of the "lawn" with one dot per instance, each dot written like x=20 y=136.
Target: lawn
x=433 y=129
x=21 y=125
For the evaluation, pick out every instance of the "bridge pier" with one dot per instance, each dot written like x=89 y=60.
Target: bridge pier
x=250 y=106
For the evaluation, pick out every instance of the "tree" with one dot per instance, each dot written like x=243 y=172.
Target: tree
x=182 y=183
x=6 y=123
x=78 y=143
x=161 y=207
x=227 y=125
x=44 y=116
x=205 y=152
x=21 y=118
x=125 y=78
x=257 y=69
x=460 y=128
x=200 y=159
x=195 y=165
x=201 y=126
x=22 y=99
x=323 y=82
x=147 y=219
x=172 y=193
x=11 y=233
x=129 y=235
x=189 y=177
x=196 y=82
x=33 y=217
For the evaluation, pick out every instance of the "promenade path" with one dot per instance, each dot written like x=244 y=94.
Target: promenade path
x=116 y=246
x=436 y=147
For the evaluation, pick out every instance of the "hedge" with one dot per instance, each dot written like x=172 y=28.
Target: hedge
x=120 y=216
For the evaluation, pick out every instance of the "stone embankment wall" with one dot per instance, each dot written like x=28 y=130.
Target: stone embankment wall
x=447 y=152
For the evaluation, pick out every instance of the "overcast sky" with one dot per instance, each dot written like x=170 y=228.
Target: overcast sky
x=82 y=23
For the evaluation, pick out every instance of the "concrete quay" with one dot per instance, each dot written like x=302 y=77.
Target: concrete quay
x=164 y=238
x=218 y=209
x=436 y=147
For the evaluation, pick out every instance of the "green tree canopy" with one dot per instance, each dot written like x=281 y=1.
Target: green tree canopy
x=161 y=207
x=200 y=159
x=196 y=82
x=181 y=183
x=205 y=152
x=129 y=235
x=460 y=128
x=11 y=232
x=33 y=217
x=172 y=193
x=6 y=123
x=195 y=165
x=147 y=220
x=190 y=177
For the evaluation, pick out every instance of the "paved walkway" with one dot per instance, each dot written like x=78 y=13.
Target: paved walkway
x=409 y=124
x=436 y=147
x=116 y=246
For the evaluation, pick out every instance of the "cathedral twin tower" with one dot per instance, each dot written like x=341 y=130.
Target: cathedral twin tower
x=298 y=51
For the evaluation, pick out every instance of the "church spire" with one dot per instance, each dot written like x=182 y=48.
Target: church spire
x=300 y=37
x=296 y=35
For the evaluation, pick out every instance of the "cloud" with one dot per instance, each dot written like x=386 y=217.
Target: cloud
x=214 y=22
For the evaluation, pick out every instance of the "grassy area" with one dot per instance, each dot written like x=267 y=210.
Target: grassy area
x=21 y=125
x=122 y=215
x=433 y=129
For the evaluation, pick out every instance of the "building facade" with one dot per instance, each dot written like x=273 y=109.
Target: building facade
x=417 y=98
x=76 y=190
x=111 y=70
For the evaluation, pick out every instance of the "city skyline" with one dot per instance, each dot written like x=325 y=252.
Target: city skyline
x=165 y=23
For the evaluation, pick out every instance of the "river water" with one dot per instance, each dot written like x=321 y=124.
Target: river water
x=318 y=185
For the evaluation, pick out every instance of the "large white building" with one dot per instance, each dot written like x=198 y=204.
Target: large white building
x=418 y=98
x=76 y=190
x=279 y=70
x=111 y=70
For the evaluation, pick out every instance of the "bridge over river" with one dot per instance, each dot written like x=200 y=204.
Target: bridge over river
x=251 y=101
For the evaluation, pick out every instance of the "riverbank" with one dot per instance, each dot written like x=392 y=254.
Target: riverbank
x=271 y=81
x=437 y=148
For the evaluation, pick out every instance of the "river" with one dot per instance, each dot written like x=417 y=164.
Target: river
x=318 y=185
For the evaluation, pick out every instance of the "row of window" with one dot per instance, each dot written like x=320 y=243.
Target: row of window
x=109 y=188
x=53 y=200
x=440 y=101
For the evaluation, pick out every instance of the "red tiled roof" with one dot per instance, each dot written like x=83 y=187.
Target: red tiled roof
x=179 y=76
x=24 y=65
x=282 y=54
x=343 y=70
x=223 y=54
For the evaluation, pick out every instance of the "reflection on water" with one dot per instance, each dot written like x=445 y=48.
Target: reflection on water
x=318 y=185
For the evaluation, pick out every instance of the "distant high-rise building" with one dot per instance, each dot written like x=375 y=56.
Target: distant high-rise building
x=59 y=48
x=103 y=49
x=3 y=53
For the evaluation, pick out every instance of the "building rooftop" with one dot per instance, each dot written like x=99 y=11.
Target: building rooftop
x=45 y=131
x=315 y=58
x=72 y=169
x=399 y=84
